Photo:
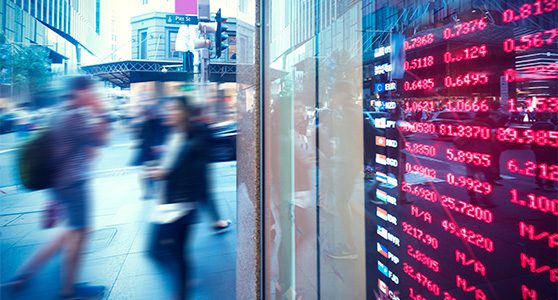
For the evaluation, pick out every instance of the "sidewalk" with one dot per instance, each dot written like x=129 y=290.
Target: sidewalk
x=115 y=256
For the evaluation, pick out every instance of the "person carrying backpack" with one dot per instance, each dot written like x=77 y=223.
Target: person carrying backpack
x=72 y=139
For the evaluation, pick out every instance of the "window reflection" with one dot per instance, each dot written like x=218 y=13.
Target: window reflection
x=437 y=184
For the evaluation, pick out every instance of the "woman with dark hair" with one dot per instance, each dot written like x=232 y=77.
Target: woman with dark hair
x=183 y=172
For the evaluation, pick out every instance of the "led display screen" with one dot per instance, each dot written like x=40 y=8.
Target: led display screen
x=461 y=161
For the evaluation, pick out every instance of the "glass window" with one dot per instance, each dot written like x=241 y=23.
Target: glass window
x=50 y=10
x=142 y=44
x=55 y=13
x=97 y=16
x=172 y=44
x=232 y=47
x=45 y=8
x=410 y=150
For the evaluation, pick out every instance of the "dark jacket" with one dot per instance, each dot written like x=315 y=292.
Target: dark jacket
x=187 y=180
x=152 y=133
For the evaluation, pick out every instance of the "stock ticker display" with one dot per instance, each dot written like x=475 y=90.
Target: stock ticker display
x=461 y=160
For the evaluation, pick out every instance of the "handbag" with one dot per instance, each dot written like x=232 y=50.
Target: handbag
x=165 y=223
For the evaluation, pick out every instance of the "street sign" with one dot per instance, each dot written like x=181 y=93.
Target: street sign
x=182 y=19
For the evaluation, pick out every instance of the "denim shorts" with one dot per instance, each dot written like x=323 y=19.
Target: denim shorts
x=75 y=201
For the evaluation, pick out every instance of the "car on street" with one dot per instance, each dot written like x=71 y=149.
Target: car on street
x=223 y=141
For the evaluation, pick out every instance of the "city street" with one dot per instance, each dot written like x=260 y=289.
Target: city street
x=115 y=255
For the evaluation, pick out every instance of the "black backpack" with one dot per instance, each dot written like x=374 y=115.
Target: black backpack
x=35 y=162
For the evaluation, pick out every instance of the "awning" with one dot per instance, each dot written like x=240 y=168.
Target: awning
x=122 y=73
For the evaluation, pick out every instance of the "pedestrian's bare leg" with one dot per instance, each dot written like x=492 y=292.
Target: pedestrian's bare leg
x=74 y=245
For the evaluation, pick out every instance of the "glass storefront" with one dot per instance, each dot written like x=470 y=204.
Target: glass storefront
x=410 y=149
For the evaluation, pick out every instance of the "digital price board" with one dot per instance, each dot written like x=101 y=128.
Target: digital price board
x=464 y=205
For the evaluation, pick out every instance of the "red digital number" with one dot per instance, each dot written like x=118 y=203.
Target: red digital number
x=419 y=191
x=535 y=104
x=419 y=41
x=529 y=9
x=421 y=279
x=466 y=54
x=422 y=149
x=535 y=202
x=469 y=157
x=466 y=209
x=528 y=136
x=423 y=258
x=468 y=105
x=419 y=84
x=417 y=127
x=419 y=63
x=467 y=131
x=465 y=80
x=465 y=28
x=472 y=184
x=420 y=235
x=412 y=168
x=529 y=41
x=412 y=106
x=530 y=168
x=468 y=235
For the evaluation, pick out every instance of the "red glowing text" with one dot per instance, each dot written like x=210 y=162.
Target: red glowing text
x=421 y=214
x=422 y=279
x=420 y=235
x=419 y=191
x=534 y=104
x=528 y=136
x=467 y=209
x=530 y=263
x=468 y=236
x=423 y=258
x=419 y=41
x=416 y=148
x=528 y=9
x=529 y=41
x=531 y=168
x=478 y=267
x=425 y=105
x=412 y=168
x=528 y=231
x=467 y=105
x=462 y=284
x=419 y=63
x=536 y=202
x=468 y=157
x=466 y=54
x=465 y=80
x=465 y=28
x=419 y=84
x=471 y=184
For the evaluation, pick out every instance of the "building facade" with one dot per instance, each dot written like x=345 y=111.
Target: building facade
x=73 y=30
x=153 y=38
x=403 y=149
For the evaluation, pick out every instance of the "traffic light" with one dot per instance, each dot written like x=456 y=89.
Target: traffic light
x=220 y=34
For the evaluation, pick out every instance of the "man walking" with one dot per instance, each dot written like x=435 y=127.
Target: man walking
x=77 y=131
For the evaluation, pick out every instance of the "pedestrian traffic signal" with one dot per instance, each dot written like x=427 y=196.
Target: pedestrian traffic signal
x=220 y=34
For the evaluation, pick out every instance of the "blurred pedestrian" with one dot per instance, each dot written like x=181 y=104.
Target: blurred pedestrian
x=183 y=172
x=77 y=131
x=219 y=224
x=151 y=137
